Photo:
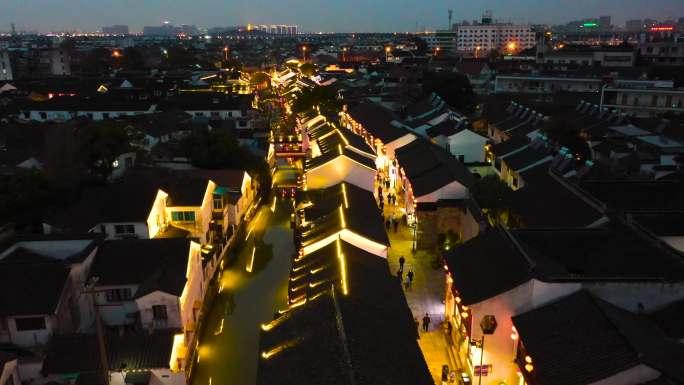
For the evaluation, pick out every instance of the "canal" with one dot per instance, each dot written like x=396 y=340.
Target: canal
x=254 y=287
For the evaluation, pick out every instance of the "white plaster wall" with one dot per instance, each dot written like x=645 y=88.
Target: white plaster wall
x=628 y=295
x=636 y=375
x=676 y=242
x=146 y=302
x=167 y=377
x=469 y=144
x=30 y=338
x=141 y=230
x=398 y=143
x=114 y=313
x=453 y=190
x=340 y=169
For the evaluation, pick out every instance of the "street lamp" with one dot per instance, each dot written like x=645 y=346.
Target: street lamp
x=344 y=54
x=388 y=49
x=477 y=51
x=437 y=49
x=488 y=326
x=225 y=53
x=304 y=53
x=511 y=47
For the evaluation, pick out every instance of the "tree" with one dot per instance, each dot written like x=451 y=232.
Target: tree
x=307 y=69
x=454 y=88
x=494 y=196
x=421 y=46
x=324 y=97
x=561 y=131
x=260 y=79
x=24 y=197
x=101 y=144
x=98 y=60
x=132 y=59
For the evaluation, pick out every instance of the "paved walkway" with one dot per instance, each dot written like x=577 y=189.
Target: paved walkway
x=426 y=295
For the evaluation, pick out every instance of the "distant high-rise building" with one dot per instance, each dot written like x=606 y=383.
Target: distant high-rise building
x=166 y=29
x=489 y=35
x=115 y=30
x=634 y=25
x=604 y=21
x=274 y=29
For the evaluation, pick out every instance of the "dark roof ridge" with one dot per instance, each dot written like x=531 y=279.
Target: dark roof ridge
x=531 y=263
x=579 y=192
x=339 y=323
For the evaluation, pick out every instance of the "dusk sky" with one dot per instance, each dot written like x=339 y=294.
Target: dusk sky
x=316 y=15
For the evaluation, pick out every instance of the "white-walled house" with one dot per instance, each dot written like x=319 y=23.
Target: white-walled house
x=153 y=284
x=98 y=108
x=508 y=273
x=464 y=144
x=50 y=272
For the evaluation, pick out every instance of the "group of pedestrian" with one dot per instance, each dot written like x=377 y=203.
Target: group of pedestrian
x=392 y=222
x=400 y=273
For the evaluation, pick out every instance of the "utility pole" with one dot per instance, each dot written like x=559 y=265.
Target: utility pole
x=104 y=363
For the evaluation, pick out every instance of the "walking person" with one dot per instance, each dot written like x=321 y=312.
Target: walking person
x=387 y=224
x=409 y=279
x=400 y=274
x=396 y=224
x=401 y=263
x=426 y=322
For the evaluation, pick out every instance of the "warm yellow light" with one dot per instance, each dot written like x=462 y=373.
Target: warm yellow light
x=458 y=299
x=528 y=359
x=511 y=46
x=343 y=268
x=250 y=266
x=388 y=49
x=514 y=336
x=316 y=270
x=304 y=48
x=344 y=195
x=342 y=221
x=268 y=354
x=464 y=315
x=529 y=367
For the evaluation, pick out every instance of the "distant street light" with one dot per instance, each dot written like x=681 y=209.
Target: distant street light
x=304 y=53
x=388 y=49
x=225 y=53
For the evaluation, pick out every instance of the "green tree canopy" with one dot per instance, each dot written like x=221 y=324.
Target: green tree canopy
x=324 y=97
x=454 y=88
x=307 y=69
x=493 y=195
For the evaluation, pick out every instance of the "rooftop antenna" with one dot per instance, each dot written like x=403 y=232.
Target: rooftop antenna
x=451 y=13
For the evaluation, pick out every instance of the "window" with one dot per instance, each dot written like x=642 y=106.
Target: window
x=183 y=216
x=105 y=115
x=159 y=312
x=30 y=323
x=118 y=295
x=124 y=229
x=218 y=202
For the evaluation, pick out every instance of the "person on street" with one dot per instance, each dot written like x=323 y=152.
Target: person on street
x=400 y=274
x=387 y=224
x=401 y=263
x=409 y=279
x=426 y=322
x=396 y=225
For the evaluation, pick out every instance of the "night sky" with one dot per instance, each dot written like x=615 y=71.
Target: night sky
x=316 y=15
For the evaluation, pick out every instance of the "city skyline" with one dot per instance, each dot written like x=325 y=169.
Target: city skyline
x=310 y=15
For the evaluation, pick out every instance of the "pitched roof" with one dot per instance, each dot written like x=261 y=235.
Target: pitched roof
x=429 y=167
x=493 y=252
x=78 y=353
x=526 y=158
x=377 y=120
x=508 y=146
x=546 y=202
x=612 y=253
x=360 y=329
x=40 y=284
x=153 y=264
x=574 y=342
x=637 y=195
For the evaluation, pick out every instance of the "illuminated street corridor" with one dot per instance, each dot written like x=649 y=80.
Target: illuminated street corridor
x=230 y=341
